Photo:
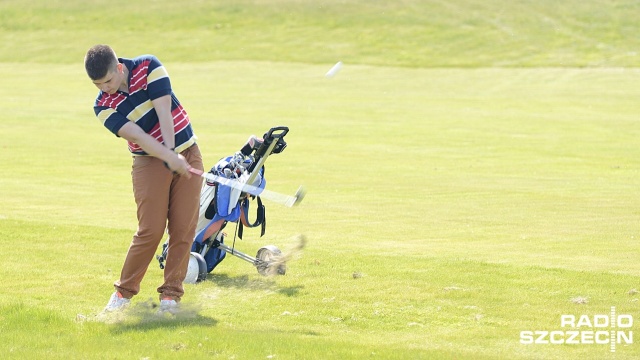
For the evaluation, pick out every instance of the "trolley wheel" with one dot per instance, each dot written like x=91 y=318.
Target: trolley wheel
x=268 y=261
x=197 y=269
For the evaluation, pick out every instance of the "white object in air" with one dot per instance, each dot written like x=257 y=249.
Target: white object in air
x=334 y=70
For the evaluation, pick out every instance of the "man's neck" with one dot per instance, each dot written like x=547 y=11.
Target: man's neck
x=124 y=86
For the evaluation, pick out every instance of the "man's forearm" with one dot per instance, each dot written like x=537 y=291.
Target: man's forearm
x=133 y=133
x=162 y=105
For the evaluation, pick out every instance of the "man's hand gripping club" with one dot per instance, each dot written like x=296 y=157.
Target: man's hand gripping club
x=175 y=162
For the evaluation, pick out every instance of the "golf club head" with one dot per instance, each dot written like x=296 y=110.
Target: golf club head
x=300 y=195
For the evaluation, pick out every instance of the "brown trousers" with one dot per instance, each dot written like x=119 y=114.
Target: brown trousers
x=165 y=201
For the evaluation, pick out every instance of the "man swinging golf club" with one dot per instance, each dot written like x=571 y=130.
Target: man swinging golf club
x=136 y=102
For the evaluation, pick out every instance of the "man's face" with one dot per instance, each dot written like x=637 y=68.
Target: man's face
x=112 y=81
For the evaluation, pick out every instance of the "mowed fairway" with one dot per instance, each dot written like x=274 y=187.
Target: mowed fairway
x=448 y=208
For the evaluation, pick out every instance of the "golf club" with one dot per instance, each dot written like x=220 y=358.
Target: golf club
x=286 y=200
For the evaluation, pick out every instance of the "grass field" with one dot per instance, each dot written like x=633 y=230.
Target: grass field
x=471 y=175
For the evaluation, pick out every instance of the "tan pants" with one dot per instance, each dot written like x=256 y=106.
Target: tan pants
x=168 y=201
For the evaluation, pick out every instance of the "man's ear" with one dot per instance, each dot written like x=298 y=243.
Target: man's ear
x=120 y=67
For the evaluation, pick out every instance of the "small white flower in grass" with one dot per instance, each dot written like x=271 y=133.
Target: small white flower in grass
x=453 y=288
x=580 y=300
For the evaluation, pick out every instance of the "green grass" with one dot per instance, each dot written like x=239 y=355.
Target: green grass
x=471 y=203
x=462 y=33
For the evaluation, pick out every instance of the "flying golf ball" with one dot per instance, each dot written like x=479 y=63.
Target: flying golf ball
x=334 y=70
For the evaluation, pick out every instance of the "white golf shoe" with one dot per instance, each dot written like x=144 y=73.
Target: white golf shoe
x=117 y=302
x=168 y=305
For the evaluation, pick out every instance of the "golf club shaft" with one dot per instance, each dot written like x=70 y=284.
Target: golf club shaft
x=286 y=200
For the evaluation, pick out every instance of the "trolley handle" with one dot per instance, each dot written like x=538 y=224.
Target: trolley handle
x=276 y=132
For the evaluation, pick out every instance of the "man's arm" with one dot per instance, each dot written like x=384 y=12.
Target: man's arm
x=134 y=133
x=162 y=105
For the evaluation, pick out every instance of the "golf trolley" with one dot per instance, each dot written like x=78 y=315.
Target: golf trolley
x=229 y=188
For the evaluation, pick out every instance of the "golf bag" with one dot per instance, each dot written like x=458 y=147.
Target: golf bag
x=226 y=204
x=221 y=204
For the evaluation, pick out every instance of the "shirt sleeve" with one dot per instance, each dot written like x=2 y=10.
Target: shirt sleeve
x=158 y=83
x=110 y=118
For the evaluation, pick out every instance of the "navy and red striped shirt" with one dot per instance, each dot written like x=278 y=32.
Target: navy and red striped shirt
x=148 y=80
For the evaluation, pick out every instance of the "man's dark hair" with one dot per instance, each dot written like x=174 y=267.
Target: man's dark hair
x=100 y=59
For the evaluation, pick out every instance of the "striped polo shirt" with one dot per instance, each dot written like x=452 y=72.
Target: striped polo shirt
x=148 y=80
